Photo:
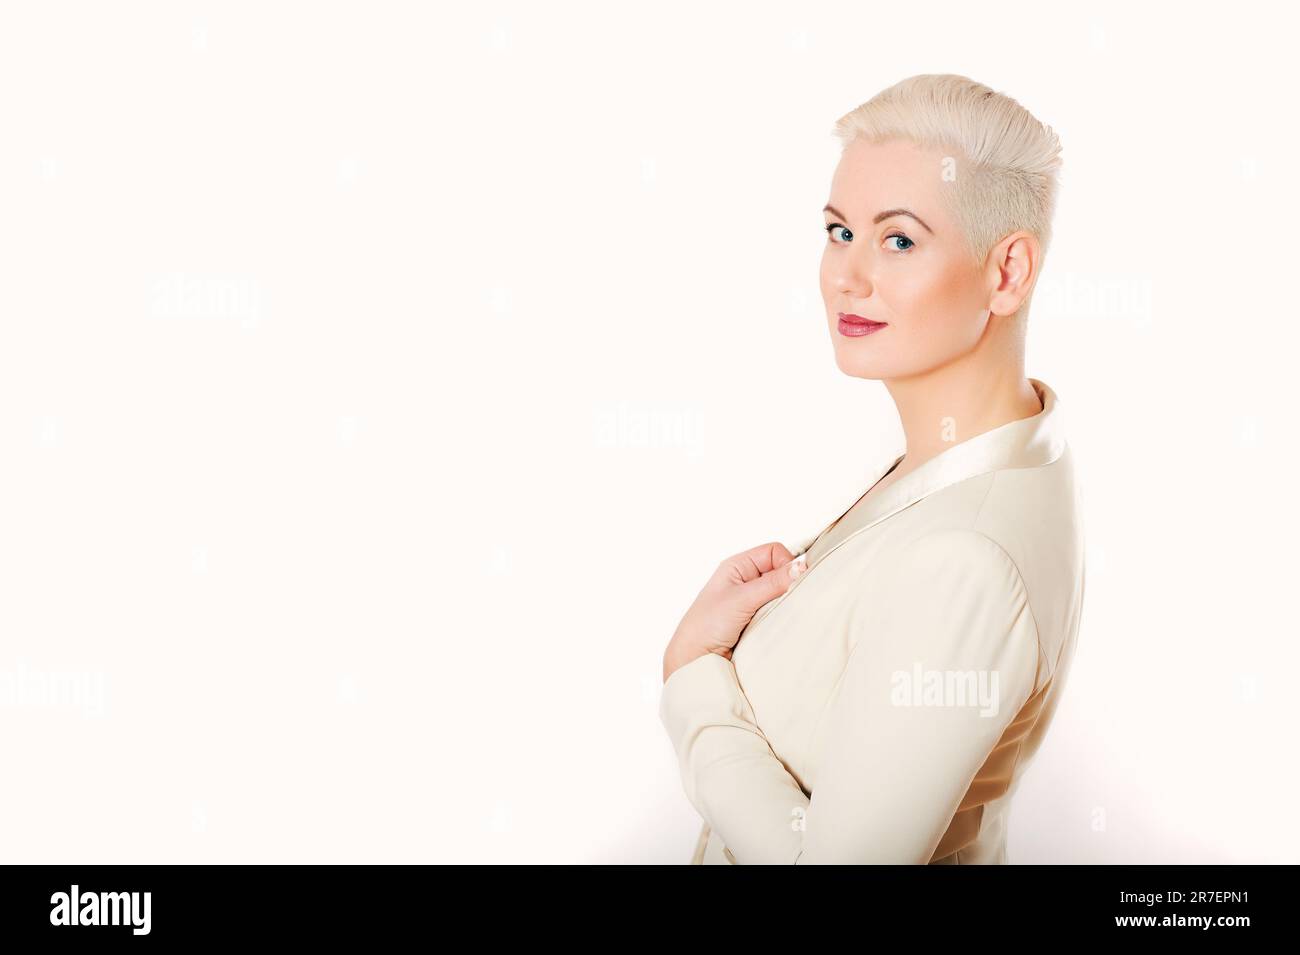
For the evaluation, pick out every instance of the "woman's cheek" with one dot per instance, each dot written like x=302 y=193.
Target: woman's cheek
x=943 y=302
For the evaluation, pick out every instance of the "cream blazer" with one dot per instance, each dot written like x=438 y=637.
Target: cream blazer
x=884 y=708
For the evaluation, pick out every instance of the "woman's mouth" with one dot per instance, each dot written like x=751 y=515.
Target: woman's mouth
x=855 y=326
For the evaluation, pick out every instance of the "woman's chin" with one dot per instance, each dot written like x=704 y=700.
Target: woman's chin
x=856 y=366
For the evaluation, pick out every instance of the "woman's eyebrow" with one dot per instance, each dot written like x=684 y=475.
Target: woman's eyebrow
x=882 y=216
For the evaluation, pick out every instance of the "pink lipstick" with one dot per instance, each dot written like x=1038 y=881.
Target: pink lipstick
x=855 y=326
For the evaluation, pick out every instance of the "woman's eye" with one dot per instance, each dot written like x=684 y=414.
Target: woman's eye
x=846 y=235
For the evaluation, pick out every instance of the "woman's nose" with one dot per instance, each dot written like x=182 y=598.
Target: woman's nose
x=853 y=282
x=853 y=274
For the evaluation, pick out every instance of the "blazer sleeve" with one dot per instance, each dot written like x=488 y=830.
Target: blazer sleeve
x=946 y=655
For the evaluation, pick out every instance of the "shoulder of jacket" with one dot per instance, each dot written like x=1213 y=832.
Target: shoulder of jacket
x=972 y=567
x=960 y=548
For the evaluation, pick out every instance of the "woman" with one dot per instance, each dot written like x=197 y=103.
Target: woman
x=894 y=682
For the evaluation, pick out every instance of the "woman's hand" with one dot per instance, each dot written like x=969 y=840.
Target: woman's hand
x=739 y=586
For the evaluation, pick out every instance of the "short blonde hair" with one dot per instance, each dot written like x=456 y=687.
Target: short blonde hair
x=1007 y=162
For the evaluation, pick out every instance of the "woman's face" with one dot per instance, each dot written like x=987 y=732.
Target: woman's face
x=911 y=272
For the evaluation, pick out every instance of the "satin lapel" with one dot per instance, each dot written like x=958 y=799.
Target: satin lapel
x=1026 y=443
x=802 y=546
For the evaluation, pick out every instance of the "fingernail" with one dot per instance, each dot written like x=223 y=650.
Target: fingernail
x=797 y=567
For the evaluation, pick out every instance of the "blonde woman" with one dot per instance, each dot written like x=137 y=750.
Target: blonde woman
x=876 y=693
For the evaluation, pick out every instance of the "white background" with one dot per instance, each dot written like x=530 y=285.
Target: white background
x=380 y=382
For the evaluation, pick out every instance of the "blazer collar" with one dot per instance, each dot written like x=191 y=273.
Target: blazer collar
x=1027 y=443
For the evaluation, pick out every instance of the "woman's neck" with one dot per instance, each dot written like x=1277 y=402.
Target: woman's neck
x=953 y=404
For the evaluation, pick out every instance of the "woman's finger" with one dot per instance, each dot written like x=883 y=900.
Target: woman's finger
x=759 y=560
x=775 y=582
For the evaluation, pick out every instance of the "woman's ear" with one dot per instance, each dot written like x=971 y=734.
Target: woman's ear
x=1013 y=266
